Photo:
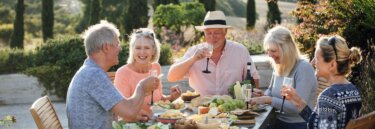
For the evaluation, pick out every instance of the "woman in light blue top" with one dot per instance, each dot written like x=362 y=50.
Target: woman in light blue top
x=287 y=61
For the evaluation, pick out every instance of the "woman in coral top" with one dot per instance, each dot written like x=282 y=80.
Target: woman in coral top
x=144 y=52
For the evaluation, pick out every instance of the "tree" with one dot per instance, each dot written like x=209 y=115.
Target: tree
x=251 y=14
x=156 y=3
x=95 y=12
x=171 y=21
x=113 y=9
x=83 y=24
x=47 y=19
x=273 y=14
x=209 y=5
x=135 y=15
x=16 y=40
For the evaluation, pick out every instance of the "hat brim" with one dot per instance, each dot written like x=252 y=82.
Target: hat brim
x=201 y=28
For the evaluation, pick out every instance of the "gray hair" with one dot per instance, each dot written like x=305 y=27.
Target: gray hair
x=99 y=34
x=140 y=36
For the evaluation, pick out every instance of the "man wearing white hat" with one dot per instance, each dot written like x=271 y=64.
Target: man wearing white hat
x=227 y=64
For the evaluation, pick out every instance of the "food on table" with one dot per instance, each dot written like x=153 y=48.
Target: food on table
x=211 y=124
x=238 y=91
x=159 y=126
x=185 y=124
x=244 y=114
x=168 y=105
x=188 y=96
x=203 y=110
x=138 y=125
x=171 y=114
x=223 y=103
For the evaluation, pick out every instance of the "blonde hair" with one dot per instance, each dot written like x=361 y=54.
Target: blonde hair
x=143 y=35
x=282 y=38
x=336 y=48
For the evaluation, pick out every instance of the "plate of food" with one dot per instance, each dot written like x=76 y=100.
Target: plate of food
x=169 y=116
x=162 y=106
x=258 y=108
x=188 y=96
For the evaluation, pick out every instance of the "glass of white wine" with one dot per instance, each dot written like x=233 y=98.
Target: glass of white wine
x=287 y=82
x=153 y=73
x=246 y=91
x=209 y=48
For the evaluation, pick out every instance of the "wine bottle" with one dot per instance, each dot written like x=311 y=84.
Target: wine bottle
x=249 y=79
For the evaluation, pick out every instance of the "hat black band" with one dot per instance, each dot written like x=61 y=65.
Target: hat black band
x=212 y=22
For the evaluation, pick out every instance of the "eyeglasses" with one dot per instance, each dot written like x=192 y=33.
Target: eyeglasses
x=144 y=33
x=332 y=42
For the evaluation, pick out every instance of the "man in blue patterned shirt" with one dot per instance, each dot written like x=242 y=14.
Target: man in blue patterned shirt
x=92 y=98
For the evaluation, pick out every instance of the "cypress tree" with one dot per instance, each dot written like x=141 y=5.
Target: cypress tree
x=135 y=15
x=86 y=17
x=16 y=40
x=209 y=5
x=251 y=14
x=273 y=14
x=47 y=19
x=95 y=12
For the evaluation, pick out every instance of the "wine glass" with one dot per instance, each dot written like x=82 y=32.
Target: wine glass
x=153 y=73
x=246 y=91
x=287 y=82
x=209 y=49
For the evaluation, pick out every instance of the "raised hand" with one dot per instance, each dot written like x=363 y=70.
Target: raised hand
x=149 y=84
x=257 y=92
x=290 y=94
x=175 y=92
x=200 y=53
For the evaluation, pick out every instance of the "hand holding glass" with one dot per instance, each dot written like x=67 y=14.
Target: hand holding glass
x=208 y=53
x=153 y=73
x=247 y=94
x=287 y=82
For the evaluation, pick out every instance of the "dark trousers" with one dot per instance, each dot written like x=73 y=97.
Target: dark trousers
x=284 y=125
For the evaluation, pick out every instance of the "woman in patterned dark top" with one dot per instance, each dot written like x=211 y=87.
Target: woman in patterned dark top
x=341 y=101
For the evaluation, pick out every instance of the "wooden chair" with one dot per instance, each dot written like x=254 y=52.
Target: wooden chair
x=44 y=114
x=111 y=76
x=364 y=122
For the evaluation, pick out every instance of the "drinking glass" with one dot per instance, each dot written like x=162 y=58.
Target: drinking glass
x=153 y=73
x=287 y=82
x=246 y=90
x=209 y=48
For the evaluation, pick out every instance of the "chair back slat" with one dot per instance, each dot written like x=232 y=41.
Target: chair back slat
x=44 y=114
x=364 y=122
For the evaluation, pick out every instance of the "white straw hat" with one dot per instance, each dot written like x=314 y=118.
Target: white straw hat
x=213 y=19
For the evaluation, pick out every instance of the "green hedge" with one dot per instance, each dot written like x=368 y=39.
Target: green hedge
x=5 y=32
x=14 y=60
x=56 y=62
x=166 y=57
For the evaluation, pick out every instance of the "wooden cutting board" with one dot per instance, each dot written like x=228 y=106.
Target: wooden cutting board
x=244 y=122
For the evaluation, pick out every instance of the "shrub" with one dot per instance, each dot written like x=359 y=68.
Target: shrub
x=123 y=56
x=5 y=32
x=14 y=60
x=56 y=62
x=166 y=57
x=172 y=21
